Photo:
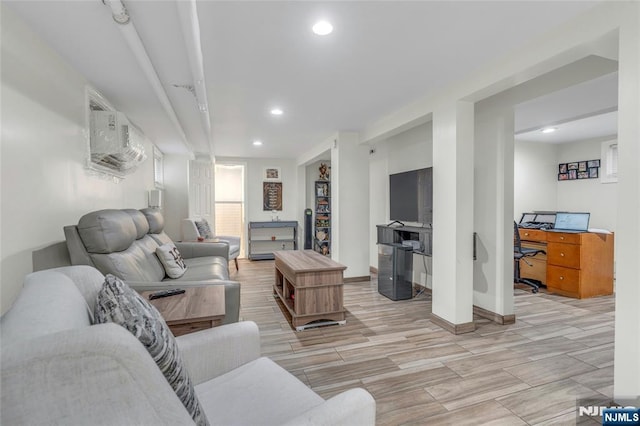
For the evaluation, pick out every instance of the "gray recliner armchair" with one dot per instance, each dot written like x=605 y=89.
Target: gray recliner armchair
x=192 y=232
x=124 y=243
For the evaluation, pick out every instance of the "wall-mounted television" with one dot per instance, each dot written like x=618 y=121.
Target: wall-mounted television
x=411 y=196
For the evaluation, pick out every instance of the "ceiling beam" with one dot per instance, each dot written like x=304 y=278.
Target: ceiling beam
x=188 y=15
x=128 y=30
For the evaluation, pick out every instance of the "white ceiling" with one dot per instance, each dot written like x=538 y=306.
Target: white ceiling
x=257 y=55
x=583 y=111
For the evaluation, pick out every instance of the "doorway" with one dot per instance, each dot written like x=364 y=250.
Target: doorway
x=230 y=201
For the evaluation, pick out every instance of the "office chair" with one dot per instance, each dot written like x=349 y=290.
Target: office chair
x=521 y=253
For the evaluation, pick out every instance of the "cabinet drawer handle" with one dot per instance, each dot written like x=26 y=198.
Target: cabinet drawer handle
x=561 y=254
x=526 y=234
x=561 y=278
x=562 y=238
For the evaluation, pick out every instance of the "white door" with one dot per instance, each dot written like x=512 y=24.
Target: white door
x=201 y=190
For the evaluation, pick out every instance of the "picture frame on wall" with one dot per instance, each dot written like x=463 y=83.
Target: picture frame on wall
x=272 y=174
x=579 y=170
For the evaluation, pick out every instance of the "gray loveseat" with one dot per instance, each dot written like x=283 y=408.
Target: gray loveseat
x=60 y=368
x=124 y=243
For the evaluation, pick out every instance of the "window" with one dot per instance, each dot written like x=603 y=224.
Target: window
x=609 y=166
x=158 y=168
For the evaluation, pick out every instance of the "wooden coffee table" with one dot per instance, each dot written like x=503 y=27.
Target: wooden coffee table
x=198 y=308
x=310 y=286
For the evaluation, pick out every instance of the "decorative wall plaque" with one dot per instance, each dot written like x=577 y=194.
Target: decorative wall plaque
x=271 y=196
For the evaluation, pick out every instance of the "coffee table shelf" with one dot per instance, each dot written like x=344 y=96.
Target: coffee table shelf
x=310 y=287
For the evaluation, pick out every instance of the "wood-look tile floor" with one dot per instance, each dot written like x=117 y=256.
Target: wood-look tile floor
x=531 y=372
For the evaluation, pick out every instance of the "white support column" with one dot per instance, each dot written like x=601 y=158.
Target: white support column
x=493 y=211
x=350 y=204
x=626 y=381
x=453 y=126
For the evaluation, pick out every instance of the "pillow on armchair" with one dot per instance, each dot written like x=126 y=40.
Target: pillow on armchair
x=204 y=229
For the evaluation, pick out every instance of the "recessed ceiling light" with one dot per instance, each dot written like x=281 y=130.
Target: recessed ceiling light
x=549 y=129
x=322 y=28
x=276 y=111
x=257 y=143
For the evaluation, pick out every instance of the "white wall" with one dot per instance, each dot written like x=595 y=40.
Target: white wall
x=493 y=207
x=44 y=183
x=587 y=195
x=409 y=150
x=350 y=204
x=176 y=193
x=378 y=196
x=535 y=177
x=537 y=186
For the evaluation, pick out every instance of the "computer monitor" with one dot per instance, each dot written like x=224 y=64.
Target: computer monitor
x=528 y=217
x=572 y=221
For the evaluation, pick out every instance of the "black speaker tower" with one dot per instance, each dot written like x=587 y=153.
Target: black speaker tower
x=308 y=230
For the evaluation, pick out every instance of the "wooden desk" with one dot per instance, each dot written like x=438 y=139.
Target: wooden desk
x=198 y=308
x=310 y=286
x=576 y=264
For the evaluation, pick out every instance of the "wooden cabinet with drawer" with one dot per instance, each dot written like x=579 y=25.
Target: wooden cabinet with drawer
x=579 y=265
x=534 y=267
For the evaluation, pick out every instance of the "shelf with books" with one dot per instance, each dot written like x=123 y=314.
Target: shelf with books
x=322 y=234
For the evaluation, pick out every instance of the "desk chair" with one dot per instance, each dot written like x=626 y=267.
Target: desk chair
x=521 y=253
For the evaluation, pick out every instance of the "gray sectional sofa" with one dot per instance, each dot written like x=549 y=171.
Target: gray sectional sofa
x=59 y=367
x=124 y=243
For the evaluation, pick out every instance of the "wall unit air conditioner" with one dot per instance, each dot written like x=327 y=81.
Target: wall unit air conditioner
x=117 y=146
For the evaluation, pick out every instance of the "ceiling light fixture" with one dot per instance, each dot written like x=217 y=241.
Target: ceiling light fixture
x=549 y=129
x=257 y=143
x=322 y=28
x=276 y=111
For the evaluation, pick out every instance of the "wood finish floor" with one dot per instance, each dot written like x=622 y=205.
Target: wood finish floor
x=531 y=372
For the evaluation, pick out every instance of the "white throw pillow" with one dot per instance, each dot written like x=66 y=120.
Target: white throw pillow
x=172 y=260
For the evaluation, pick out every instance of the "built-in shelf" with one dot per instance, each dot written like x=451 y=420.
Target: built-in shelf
x=322 y=228
x=267 y=237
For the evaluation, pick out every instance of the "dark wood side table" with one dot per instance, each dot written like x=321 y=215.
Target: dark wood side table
x=198 y=308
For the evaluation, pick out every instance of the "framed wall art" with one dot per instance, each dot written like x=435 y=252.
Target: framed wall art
x=272 y=174
x=576 y=170
x=271 y=196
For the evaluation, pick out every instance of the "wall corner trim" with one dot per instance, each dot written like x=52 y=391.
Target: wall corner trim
x=467 y=327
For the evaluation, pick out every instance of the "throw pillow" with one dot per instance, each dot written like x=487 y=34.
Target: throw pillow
x=119 y=304
x=172 y=260
x=204 y=229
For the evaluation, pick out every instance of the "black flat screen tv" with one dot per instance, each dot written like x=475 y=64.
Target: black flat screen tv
x=411 y=196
